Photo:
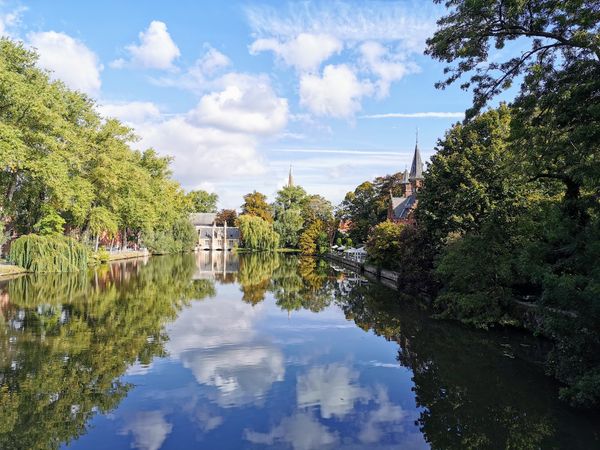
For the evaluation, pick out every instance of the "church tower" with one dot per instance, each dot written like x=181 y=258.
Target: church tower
x=416 y=169
x=290 y=178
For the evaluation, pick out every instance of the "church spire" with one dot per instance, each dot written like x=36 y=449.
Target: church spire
x=416 y=170
x=290 y=178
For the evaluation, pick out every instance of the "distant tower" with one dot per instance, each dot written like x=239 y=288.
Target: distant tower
x=416 y=169
x=290 y=178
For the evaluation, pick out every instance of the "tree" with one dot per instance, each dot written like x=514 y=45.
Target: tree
x=255 y=204
x=288 y=225
x=560 y=33
x=383 y=244
x=257 y=233
x=469 y=177
x=202 y=201
x=359 y=207
x=102 y=221
x=314 y=240
x=228 y=216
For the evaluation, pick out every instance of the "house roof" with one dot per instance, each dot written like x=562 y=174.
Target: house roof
x=199 y=219
x=401 y=206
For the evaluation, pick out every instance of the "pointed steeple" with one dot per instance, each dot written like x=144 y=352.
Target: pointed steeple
x=290 y=178
x=416 y=169
x=405 y=179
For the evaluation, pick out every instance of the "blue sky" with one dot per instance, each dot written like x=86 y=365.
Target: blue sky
x=237 y=91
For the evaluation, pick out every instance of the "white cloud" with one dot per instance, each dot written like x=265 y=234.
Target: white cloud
x=149 y=429
x=131 y=112
x=200 y=77
x=238 y=366
x=337 y=93
x=333 y=388
x=156 y=49
x=245 y=104
x=305 y=34
x=216 y=140
x=416 y=115
x=10 y=20
x=212 y=61
x=384 y=65
x=301 y=431
x=305 y=51
x=69 y=60
x=386 y=419
x=409 y=23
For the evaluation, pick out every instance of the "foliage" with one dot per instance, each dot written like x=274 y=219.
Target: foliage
x=66 y=167
x=558 y=32
x=383 y=244
x=78 y=333
x=181 y=237
x=201 y=201
x=255 y=204
x=50 y=224
x=228 y=216
x=367 y=205
x=314 y=240
x=51 y=253
x=531 y=214
x=256 y=233
x=288 y=225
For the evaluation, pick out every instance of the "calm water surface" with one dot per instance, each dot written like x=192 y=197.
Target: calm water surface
x=216 y=352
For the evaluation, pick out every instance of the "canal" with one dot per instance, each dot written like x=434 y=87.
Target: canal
x=261 y=351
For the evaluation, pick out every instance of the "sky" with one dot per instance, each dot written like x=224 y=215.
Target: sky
x=238 y=91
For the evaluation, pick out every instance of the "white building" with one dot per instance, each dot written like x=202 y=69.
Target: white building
x=212 y=236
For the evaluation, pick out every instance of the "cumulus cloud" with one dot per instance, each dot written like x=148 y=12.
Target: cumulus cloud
x=333 y=388
x=245 y=104
x=238 y=366
x=384 y=65
x=130 y=112
x=301 y=431
x=149 y=430
x=68 y=59
x=156 y=49
x=304 y=35
x=305 y=51
x=337 y=93
x=201 y=76
x=219 y=137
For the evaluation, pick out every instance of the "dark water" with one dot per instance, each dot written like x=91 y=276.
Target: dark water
x=206 y=353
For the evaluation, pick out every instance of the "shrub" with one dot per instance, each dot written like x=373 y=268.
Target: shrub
x=48 y=253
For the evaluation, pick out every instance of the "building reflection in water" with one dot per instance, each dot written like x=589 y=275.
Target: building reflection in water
x=216 y=265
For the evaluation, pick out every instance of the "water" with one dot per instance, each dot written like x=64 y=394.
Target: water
x=218 y=352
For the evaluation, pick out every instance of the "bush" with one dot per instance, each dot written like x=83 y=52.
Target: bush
x=48 y=254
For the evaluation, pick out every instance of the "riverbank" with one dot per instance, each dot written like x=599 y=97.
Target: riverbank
x=130 y=254
x=8 y=270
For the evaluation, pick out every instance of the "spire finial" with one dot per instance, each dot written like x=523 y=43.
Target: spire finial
x=417 y=138
x=290 y=178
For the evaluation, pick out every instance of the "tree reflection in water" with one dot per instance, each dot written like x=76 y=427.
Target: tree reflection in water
x=66 y=339
x=477 y=390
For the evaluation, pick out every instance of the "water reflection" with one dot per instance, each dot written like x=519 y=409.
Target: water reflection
x=216 y=351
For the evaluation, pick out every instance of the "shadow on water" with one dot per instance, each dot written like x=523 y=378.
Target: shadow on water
x=67 y=340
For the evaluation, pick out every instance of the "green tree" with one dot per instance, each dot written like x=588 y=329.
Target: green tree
x=257 y=234
x=288 y=225
x=102 y=221
x=383 y=244
x=202 y=202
